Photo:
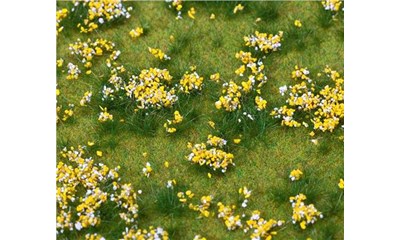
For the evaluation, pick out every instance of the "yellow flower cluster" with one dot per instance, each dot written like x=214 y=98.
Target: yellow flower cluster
x=82 y=209
x=66 y=114
x=246 y=194
x=214 y=157
x=262 y=229
x=191 y=13
x=231 y=101
x=183 y=196
x=332 y=5
x=150 y=234
x=147 y=170
x=261 y=103
x=199 y=237
x=295 y=174
x=231 y=220
x=86 y=98
x=94 y=236
x=215 y=77
x=86 y=50
x=158 y=53
x=326 y=106
x=150 y=89
x=191 y=82
x=105 y=116
x=203 y=207
x=177 y=119
x=100 y=11
x=303 y=214
x=177 y=4
x=341 y=184
x=264 y=42
x=135 y=33
x=297 y=23
x=237 y=8
x=60 y=15
x=73 y=72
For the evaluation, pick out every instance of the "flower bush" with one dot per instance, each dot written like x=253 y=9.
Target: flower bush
x=150 y=90
x=264 y=42
x=226 y=213
x=303 y=214
x=144 y=234
x=83 y=186
x=177 y=4
x=191 y=82
x=326 y=106
x=261 y=228
x=135 y=33
x=99 y=12
x=211 y=154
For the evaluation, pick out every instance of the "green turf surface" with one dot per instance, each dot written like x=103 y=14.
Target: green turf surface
x=267 y=152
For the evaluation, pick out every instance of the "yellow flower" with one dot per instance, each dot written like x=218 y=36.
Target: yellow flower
x=145 y=154
x=192 y=12
x=209 y=175
x=211 y=124
x=237 y=140
x=312 y=134
x=99 y=153
x=166 y=164
x=258 y=20
x=212 y=16
x=60 y=62
x=295 y=174
x=341 y=184
x=57 y=92
x=303 y=225
x=297 y=23
x=90 y=143
x=237 y=8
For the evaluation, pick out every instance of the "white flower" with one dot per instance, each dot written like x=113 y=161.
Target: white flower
x=282 y=90
x=101 y=20
x=78 y=226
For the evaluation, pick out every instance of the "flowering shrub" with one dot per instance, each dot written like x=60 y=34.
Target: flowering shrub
x=150 y=234
x=264 y=42
x=100 y=12
x=332 y=5
x=78 y=209
x=150 y=89
x=303 y=214
x=177 y=119
x=326 y=107
x=211 y=154
x=158 y=53
x=295 y=174
x=191 y=82
x=231 y=220
x=87 y=50
x=262 y=229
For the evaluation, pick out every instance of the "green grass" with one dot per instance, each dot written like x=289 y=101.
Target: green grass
x=267 y=153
